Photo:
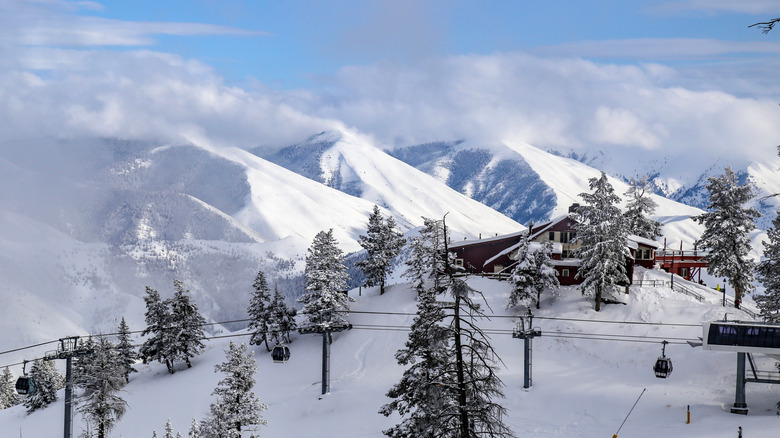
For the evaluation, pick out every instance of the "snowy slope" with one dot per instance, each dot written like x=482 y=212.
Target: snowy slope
x=581 y=387
x=351 y=163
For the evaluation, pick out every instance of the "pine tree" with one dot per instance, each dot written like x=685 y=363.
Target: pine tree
x=522 y=276
x=639 y=209
x=602 y=234
x=158 y=319
x=546 y=277
x=125 y=350
x=47 y=381
x=8 y=395
x=101 y=381
x=168 y=429
x=768 y=271
x=282 y=319
x=237 y=408
x=727 y=227
x=419 y=395
x=186 y=325
x=426 y=264
x=194 y=431
x=260 y=311
x=326 y=282
x=451 y=386
x=382 y=243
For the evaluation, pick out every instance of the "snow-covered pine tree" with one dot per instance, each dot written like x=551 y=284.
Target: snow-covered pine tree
x=768 y=271
x=326 y=282
x=168 y=430
x=419 y=396
x=426 y=263
x=101 y=380
x=260 y=311
x=639 y=209
x=522 y=276
x=194 y=431
x=125 y=350
x=47 y=381
x=158 y=319
x=8 y=395
x=282 y=319
x=727 y=227
x=382 y=242
x=237 y=408
x=546 y=277
x=186 y=325
x=602 y=233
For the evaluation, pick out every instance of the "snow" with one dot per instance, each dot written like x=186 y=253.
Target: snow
x=581 y=387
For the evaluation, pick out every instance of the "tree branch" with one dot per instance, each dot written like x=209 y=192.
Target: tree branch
x=766 y=26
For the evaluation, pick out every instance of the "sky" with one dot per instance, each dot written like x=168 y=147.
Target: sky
x=653 y=76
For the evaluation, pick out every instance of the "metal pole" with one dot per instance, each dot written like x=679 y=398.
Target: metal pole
x=325 y=363
x=740 y=406
x=527 y=362
x=68 y=397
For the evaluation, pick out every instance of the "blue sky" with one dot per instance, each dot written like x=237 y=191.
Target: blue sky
x=658 y=77
x=294 y=43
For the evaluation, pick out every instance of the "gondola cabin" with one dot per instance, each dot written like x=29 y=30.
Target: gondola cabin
x=25 y=385
x=280 y=354
x=742 y=336
x=663 y=367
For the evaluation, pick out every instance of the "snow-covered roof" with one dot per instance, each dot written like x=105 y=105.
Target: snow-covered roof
x=485 y=240
x=532 y=247
x=643 y=241
x=547 y=226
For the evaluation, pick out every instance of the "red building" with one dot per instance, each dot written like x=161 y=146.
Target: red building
x=496 y=256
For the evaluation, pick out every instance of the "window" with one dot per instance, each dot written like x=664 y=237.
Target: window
x=552 y=236
x=564 y=272
x=564 y=237
x=459 y=262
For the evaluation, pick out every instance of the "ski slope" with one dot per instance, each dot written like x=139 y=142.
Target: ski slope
x=581 y=387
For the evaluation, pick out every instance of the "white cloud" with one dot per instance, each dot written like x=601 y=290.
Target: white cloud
x=660 y=48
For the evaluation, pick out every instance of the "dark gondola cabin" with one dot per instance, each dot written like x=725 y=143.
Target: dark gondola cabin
x=25 y=385
x=663 y=367
x=280 y=354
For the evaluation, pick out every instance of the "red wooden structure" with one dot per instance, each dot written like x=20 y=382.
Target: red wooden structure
x=685 y=263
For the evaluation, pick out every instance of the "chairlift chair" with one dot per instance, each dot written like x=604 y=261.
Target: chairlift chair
x=663 y=366
x=25 y=384
x=280 y=353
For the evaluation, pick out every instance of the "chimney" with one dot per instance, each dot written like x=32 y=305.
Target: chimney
x=573 y=208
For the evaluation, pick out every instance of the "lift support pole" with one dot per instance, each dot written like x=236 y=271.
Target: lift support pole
x=526 y=333
x=740 y=404
x=69 y=348
x=326 y=327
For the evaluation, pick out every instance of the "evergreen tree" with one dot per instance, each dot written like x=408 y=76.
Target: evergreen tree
x=522 y=276
x=101 y=381
x=426 y=264
x=8 y=395
x=769 y=275
x=419 y=396
x=546 y=277
x=237 y=408
x=451 y=386
x=727 y=227
x=168 y=429
x=382 y=243
x=47 y=381
x=326 y=282
x=186 y=325
x=158 y=319
x=639 y=209
x=194 y=429
x=260 y=311
x=125 y=350
x=602 y=233
x=282 y=319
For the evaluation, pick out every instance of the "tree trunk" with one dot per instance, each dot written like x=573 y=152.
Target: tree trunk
x=737 y=295
x=598 y=298
x=382 y=286
x=462 y=412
